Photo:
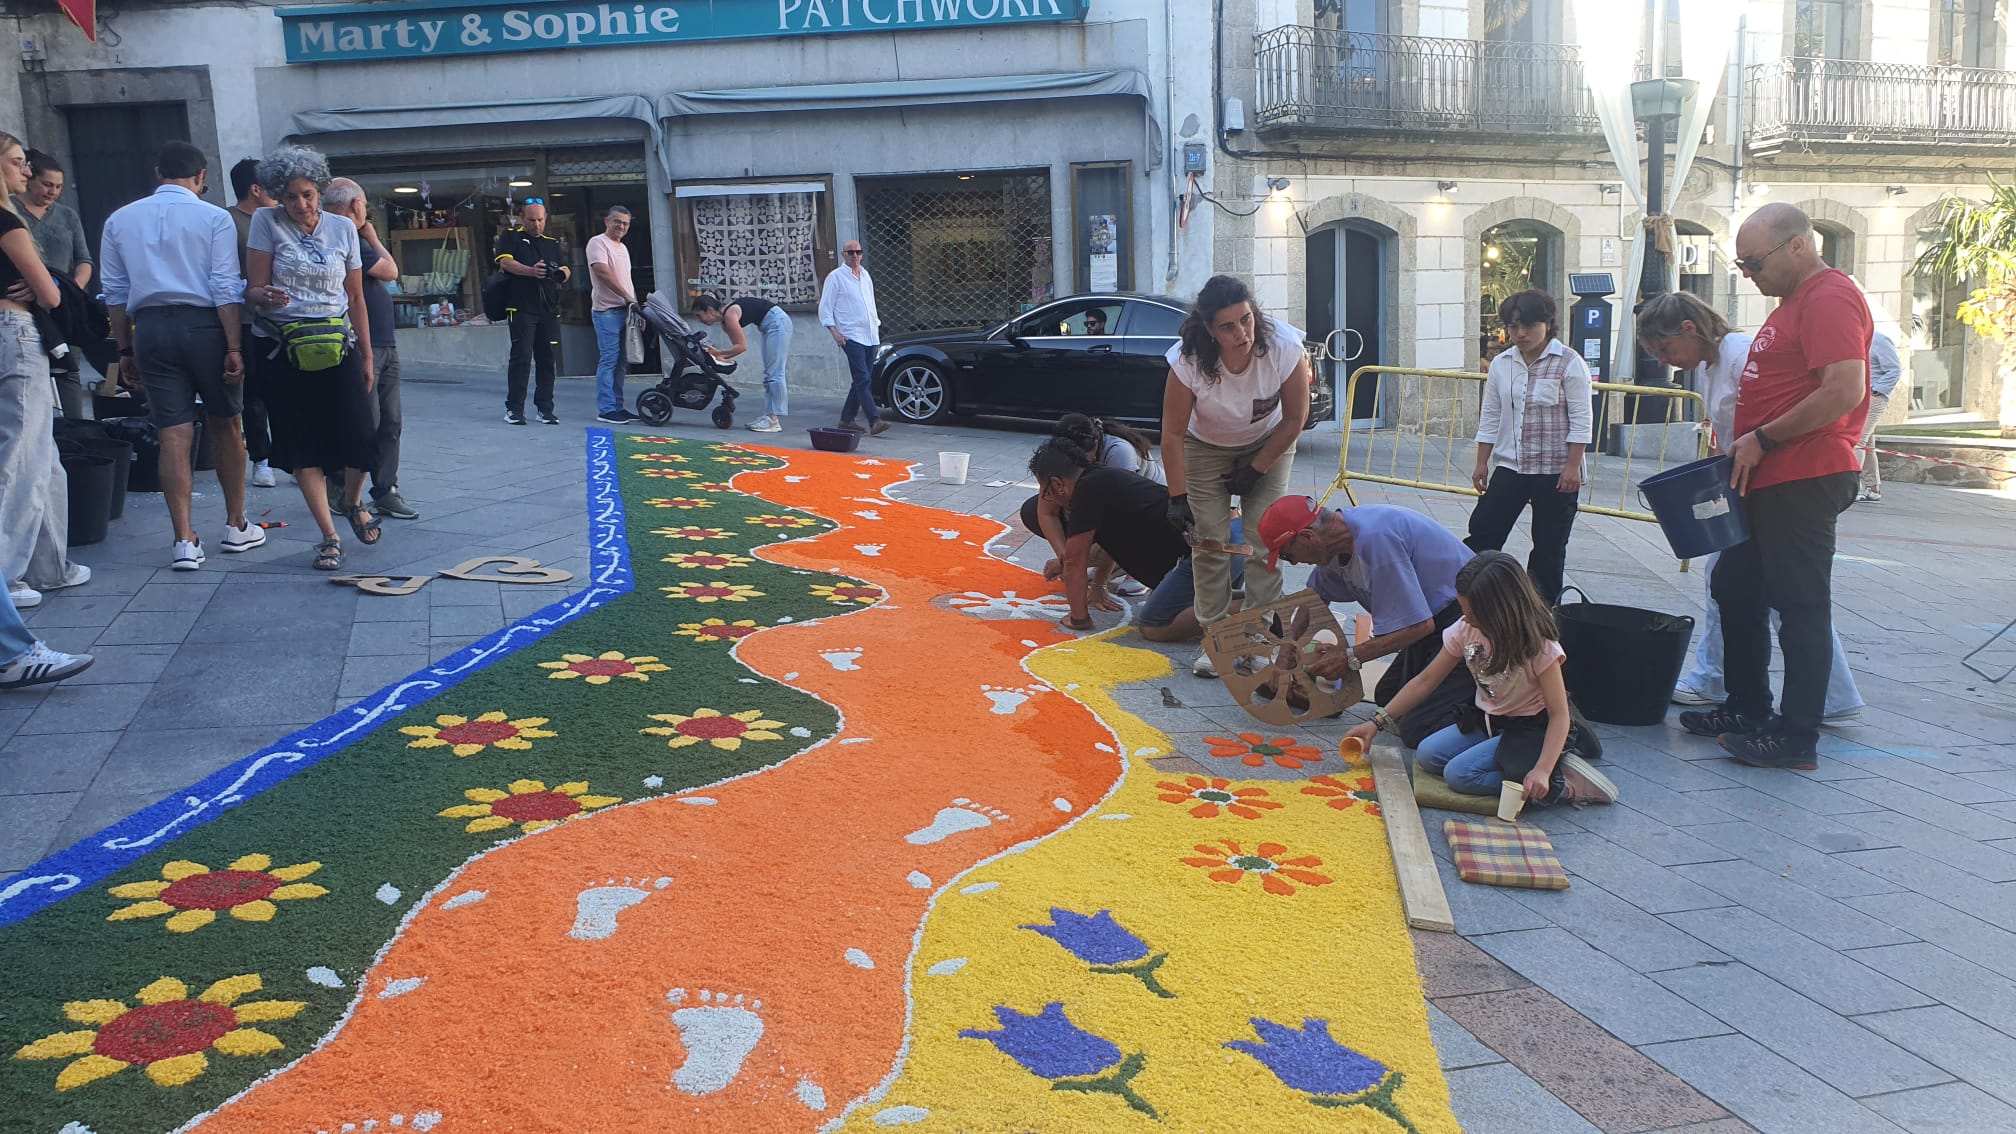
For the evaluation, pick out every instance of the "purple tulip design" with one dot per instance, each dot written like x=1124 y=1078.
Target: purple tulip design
x=1106 y=945
x=1050 y=1046
x=1331 y=1074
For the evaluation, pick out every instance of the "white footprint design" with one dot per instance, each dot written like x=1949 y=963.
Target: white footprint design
x=719 y=1033
x=843 y=660
x=1006 y=700
x=595 y=908
x=963 y=815
x=945 y=533
x=869 y=548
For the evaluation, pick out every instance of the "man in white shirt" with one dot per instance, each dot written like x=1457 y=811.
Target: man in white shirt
x=847 y=311
x=169 y=267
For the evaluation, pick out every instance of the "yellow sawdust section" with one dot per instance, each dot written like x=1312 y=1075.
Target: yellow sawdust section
x=1338 y=952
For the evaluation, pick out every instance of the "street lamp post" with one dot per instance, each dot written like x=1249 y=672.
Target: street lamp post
x=1656 y=102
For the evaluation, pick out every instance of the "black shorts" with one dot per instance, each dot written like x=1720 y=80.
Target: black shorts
x=180 y=354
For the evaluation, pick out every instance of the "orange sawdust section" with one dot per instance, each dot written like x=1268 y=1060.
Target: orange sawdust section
x=785 y=888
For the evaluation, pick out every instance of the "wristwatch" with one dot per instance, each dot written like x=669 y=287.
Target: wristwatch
x=1764 y=439
x=1351 y=659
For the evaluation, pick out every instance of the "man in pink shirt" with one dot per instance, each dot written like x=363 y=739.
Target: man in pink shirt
x=612 y=297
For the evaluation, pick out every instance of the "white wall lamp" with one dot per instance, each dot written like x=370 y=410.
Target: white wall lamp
x=1446 y=186
x=1277 y=185
x=1895 y=190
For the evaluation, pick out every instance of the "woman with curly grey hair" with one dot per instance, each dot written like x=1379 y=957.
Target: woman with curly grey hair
x=304 y=279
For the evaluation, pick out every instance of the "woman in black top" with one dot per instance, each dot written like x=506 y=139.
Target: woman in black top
x=34 y=494
x=770 y=318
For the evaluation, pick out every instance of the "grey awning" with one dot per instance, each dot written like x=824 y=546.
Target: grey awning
x=343 y=119
x=903 y=92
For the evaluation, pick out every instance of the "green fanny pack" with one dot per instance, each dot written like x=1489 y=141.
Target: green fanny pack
x=315 y=344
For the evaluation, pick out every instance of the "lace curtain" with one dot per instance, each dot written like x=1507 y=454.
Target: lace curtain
x=759 y=244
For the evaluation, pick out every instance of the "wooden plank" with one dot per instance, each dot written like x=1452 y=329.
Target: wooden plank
x=1420 y=885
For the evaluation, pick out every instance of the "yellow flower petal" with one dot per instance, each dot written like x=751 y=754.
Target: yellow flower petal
x=492 y=717
x=745 y=718
x=642 y=659
x=427 y=738
x=163 y=990
x=538 y=825
x=228 y=990
x=295 y=872
x=252 y=862
x=450 y=720
x=670 y=718
x=189 y=921
x=655 y=731
x=182 y=868
x=727 y=743
x=259 y=910
x=761 y=734
x=513 y=744
x=180 y=1069
x=255 y=1011
x=89 y=1069
x=563 y=675
x=462 y=749
x=766 y=723
x=485 y=794
x=95 y=1012
x=579 y=657
x=573 y=787
x=527 y=722
x=246 y=1041
x=62 y=1045
x=296 y=891
x=537 y=733
x=138 y=890
x=526 y=787
x=465 y=811
x=598 y=679
x=682 y=741
x=140 y=909
x=559 y=665
x=488 y=823
x=592 y=801
x=653 y=666
x=610 y=655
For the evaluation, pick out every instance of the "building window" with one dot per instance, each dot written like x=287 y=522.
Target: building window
x=1938 y=340
x=441 y=223
x=767 y=239
x=1513 y=256
x=1523 y=21
x=1827 y=29
x=957 y=250
x=1967 y=35
x=1694 y=254
x=1837 y=246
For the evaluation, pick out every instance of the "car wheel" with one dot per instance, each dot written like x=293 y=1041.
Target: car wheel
x=918 y=393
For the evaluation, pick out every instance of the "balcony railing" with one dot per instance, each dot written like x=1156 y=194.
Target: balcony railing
x=1846 y=100
x=1331 y=79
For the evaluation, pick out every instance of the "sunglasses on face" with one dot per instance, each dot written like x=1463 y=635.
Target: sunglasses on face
x=1751 y=265
x=851 y=252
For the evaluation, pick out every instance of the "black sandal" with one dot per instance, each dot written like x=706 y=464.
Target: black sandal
x=367 y=534
x=329 y=555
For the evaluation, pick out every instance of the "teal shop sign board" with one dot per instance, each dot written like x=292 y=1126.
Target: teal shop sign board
x=357 y=32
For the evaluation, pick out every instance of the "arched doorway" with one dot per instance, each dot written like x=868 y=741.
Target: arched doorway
x=1349 y=274
x=1511 y=257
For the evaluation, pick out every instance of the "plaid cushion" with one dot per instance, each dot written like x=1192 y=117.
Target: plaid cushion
x=1504 y=854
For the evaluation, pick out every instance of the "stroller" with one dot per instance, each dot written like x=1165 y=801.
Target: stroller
x=691 y=374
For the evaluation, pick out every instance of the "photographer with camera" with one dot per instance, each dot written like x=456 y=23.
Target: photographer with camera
x=537 y=266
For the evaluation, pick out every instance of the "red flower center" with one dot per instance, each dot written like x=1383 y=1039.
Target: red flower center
x=220 y=889
x=713 y=728
x=717 y=590
x=478 y=732
x=535 y=806
x=602 y=667
x=706 y=561
x=728 y=631
x=162 y=1031
x=697 y=533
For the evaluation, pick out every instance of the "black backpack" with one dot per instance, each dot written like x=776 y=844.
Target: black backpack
x=496 y=301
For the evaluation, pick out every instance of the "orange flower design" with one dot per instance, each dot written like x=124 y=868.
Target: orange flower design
x=1229 y=862
x=671 y=474
x=1341 y=795
x=1254 y=750
x=692 y=532
x=1209 y=796
x=666 y=458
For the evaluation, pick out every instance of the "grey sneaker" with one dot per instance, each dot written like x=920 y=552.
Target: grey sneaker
x=42 y=665
x=394 y=505
x=262 y=476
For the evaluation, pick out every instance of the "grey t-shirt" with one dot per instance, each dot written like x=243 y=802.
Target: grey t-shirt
x=309 y=267
x=59 y=233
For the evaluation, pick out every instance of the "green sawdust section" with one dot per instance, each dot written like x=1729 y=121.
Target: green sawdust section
x=370 y=814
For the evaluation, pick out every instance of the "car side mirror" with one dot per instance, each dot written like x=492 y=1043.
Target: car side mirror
x=1017 y=341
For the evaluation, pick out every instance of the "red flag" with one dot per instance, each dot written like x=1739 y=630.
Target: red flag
x=83 y=13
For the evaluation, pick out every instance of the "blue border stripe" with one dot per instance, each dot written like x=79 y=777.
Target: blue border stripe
x=91 y=860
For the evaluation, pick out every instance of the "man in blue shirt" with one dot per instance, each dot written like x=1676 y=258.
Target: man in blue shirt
x=1884 y=370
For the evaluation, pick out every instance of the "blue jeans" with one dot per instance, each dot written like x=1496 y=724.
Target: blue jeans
x=15 y=640
x=860 y=396
x=1706 y=675
x=614 y=364
x=1466 y=761
x=776 y=350
x=1176 y=592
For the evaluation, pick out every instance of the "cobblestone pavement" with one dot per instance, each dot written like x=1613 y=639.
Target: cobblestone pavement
x=1740 y=950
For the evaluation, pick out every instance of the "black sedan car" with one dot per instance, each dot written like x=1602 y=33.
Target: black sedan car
x=1100 y=354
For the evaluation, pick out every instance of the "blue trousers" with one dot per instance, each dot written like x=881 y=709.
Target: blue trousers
x=860 y=396
x=1466 y=761
x=15 y=640
x=613 y=365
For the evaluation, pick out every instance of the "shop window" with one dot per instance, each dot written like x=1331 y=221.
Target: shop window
x=1513 y=256
x=1938 y=340
x=441 y=224
x=768 y=239
x=957 y=250
x=1103 y=215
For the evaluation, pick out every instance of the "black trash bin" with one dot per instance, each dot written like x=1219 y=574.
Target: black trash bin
x=75 y=435
x=1623 y=662
x=90 y=479
x=145 y=470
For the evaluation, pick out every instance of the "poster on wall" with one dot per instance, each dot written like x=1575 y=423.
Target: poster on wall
x=1104 y=244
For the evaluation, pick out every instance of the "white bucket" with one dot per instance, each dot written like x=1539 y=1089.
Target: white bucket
x=952 y=467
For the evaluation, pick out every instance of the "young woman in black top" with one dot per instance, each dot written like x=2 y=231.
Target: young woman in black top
x=771 y=319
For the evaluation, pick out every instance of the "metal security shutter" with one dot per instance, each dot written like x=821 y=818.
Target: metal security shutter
x=956 y=250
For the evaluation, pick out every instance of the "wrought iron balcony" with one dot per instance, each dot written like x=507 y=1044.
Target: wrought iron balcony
x=1800 y=101
x=1328 y=79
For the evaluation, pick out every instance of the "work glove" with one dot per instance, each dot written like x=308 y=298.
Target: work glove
x=1180 y=516
x=1242 y=480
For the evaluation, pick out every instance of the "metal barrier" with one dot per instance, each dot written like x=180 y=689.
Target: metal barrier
x=1455 y=427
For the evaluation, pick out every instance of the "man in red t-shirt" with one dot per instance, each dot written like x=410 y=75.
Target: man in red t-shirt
x=1800 y=407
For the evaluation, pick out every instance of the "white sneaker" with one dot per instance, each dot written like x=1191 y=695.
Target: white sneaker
x=262 y=476
x=76 y=576
x=1586 y=784
x=188 y=554
x=242 y=539
x=1685 y=694
x=1127 y=587
x=42 y=665
x=767 y=424
x=1202 y=667
x=25 y=597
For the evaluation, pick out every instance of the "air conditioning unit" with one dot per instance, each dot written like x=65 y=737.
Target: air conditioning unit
x=1694 y=254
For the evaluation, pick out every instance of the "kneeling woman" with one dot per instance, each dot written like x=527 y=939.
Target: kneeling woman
x=304 y=276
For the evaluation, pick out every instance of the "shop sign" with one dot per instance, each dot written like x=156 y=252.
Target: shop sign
x=356 y=32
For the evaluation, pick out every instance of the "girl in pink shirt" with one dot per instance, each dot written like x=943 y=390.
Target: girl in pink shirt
x=1507 y=638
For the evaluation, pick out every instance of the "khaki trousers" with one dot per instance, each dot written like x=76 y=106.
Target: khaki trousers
x=1205 y=469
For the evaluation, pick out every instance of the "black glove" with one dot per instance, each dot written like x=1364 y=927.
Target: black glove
x=1180 y=516
x=1242 y=480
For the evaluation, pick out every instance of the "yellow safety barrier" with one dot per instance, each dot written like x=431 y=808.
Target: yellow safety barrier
x=1441 y=412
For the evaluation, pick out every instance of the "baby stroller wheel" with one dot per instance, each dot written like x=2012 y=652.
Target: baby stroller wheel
x=654 y=407
x=724 y=416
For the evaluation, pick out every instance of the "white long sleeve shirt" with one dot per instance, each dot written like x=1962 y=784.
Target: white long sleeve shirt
x=847 y=304
x=1501 y=419
x=171 y=248
x=1717 y=381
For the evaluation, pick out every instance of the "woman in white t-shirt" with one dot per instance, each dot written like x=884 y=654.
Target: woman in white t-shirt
x=1237 y=397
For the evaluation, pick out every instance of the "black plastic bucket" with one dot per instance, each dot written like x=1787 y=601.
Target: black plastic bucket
x=1623 y=662
x=90 y=479
x=74 y=436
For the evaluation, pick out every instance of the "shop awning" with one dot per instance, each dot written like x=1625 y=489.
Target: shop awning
x=903 y=92
x=634 y=107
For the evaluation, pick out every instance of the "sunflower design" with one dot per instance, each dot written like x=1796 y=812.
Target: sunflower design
x=843 y=593
x=752 y=462
x=663 y=458
x=680 y=502
x=718 y=630
x=604 y=667
x=468 y=737
x=709 y=486
x=1207 y=797
x=528 y=803
x=1254 y=750
x=712 y=592
x=725 y=731
x=167 y=1035
x=670 y=474
x=651 y=439
x=192 y=893
x=706 y=560
x=784 y=523
x=1342 y=796
x=692 y=532
x=1231 y=863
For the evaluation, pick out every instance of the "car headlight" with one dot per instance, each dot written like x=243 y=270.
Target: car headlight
x=884 y=351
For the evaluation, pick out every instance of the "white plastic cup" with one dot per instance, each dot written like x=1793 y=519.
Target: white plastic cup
x=952 y=467
x=1511 y=797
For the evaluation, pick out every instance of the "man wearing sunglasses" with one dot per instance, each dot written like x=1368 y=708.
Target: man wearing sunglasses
x=1800 y=406
x=847 y=310
x=537 y=266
